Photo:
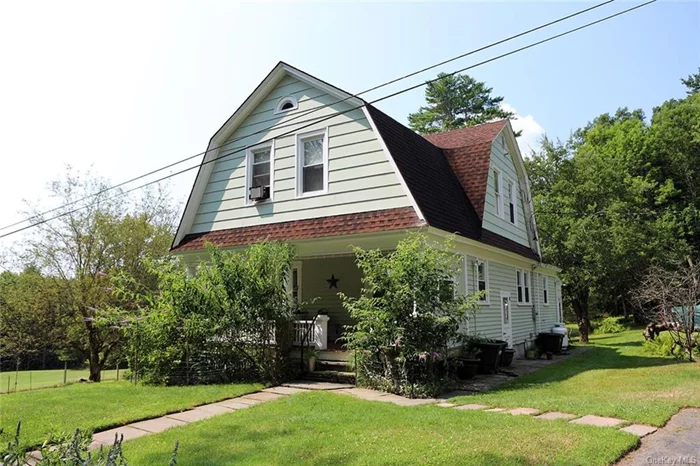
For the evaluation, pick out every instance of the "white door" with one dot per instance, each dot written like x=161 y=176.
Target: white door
x=506 y=325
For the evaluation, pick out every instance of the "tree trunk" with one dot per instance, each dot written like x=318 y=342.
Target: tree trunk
x=580 y=304
x=95 y=366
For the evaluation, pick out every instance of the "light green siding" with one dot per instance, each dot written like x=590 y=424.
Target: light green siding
x=360 y=176
x=314 y=274
x=502 y=161
x=502 y=277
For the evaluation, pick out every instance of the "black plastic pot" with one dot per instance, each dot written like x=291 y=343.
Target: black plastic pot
x=490 y=356
x=549 y=342
x=467 y=368
x=507 y=357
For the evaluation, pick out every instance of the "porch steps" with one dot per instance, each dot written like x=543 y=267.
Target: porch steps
x=330 y=376
x=331 y=365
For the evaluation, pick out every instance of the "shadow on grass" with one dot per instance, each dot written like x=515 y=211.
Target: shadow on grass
x=596 y=358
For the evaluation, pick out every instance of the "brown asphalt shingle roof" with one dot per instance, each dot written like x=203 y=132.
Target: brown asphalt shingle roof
x=403 y=218
x=446 y=173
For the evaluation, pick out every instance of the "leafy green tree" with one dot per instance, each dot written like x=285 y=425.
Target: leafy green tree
x=31 y=318
x=407 y=315
x=230 y=320
x=692 y=82
x=600 y=212
x=80 y=250
x=456 y=101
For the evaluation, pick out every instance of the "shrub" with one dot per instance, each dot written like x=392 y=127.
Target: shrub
x=610 y=325
x=72 y=449
x=230 y=321
x=660 y=346
x=406 y=317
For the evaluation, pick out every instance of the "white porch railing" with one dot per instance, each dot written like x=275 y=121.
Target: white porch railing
x=317 y=335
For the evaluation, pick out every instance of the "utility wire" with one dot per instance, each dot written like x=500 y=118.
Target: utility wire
x=395 y=80
x=498 y=57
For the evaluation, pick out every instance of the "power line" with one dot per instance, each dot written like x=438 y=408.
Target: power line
x=498 y=57
x=276 y=126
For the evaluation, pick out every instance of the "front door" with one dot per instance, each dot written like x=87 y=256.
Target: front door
x=506 y=325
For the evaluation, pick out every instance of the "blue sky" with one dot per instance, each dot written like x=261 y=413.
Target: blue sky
x=127 y=87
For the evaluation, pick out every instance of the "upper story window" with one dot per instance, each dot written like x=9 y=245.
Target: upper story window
x=286 y=104
x=511 y=212
x=259 y=173
x=522 y=279
x=481 y=273
x=497 y=192
x=545 y=290
x=312 y=163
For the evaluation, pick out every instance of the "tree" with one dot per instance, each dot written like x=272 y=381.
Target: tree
x=670 y=298
x=31 y=318
x=601 y=212
x=456 y=101
x=692 y=82
x=230 y=320
x=81 y=249
x=407 y=315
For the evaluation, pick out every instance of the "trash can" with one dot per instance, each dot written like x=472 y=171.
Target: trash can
x=490 y=356
x=549 y=342
x=561 y=328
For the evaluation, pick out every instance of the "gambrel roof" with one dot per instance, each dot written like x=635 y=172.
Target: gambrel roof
x=444 y=175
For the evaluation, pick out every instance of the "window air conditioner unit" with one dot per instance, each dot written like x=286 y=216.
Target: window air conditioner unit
x=259 y=193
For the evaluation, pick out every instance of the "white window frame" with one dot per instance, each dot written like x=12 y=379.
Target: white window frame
x=545 y=290
x=523 y=279
x=283 y=101
x=498 y=182
x=298 y=266
x=249 y=171
x=486 y=279
x=513 y=199
x=300 y=137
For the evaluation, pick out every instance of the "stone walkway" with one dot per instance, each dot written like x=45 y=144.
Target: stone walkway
x=676 y=443
x=159 y=424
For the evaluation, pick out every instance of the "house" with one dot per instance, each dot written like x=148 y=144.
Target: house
x=335 y=172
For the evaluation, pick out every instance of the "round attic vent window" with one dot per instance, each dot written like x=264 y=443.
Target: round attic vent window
x=285 y=104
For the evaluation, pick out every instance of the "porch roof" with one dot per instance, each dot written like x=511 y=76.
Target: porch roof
x=336 y=225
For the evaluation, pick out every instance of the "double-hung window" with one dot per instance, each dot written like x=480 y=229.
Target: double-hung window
x=312 y=163
x=523 y=285
x=545 y=290
x=497 y=192
x=511 y=212
x=481 y=272
x=259 y=160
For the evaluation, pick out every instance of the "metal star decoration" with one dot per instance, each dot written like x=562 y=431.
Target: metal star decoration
x=333 y=282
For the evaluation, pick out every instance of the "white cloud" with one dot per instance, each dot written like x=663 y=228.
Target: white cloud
x=532 y=131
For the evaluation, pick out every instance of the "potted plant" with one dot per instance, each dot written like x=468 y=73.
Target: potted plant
x=311 y=357
x=507 y=357
x=468 y=359
x=530 y=351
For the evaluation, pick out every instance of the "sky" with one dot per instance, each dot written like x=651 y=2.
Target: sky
x=122 y=88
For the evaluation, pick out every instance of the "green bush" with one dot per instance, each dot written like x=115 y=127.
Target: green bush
x=406 y=317
x=64 y=449
x=660 y=346
x=610 y=325
x=231 y=320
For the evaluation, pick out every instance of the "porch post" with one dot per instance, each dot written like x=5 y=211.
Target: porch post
x=321 y=331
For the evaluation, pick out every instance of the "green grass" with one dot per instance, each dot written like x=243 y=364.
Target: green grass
x=29 y=380
x=100 y=406
x=324 y=428
x=613 y=378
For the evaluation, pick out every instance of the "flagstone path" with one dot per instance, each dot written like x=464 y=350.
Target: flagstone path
x=159 y=424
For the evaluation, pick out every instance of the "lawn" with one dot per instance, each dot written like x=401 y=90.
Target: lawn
x=29 y=380
x=100 y=405
x=324 y=428
x=613 y=378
